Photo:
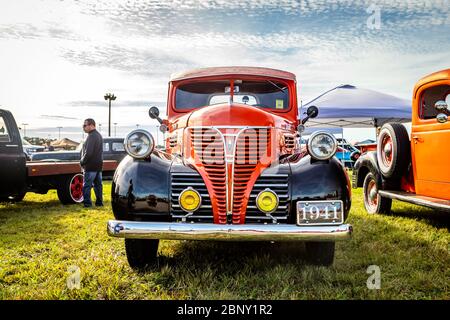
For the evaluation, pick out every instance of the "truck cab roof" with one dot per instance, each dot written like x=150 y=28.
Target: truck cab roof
x=232 y=71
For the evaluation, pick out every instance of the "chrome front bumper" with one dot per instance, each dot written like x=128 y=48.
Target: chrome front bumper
x=226 y=232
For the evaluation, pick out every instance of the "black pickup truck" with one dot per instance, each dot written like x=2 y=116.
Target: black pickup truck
x=17 y=176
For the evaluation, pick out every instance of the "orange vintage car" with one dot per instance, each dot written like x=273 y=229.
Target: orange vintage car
x=415 y=170
x=232 y=169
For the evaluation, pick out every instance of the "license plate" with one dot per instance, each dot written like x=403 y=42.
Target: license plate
x=320 y=212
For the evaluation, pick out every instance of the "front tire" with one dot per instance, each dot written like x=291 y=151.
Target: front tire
x=373 y=202
x=141 y=253
x=320 y=253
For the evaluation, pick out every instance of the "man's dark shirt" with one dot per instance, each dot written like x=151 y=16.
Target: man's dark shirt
x=92 y=152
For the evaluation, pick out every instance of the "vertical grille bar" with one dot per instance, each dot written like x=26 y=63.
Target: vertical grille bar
x=209 y=150
x=252 y=148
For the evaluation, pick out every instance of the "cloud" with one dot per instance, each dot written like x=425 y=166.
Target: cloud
x=56 y=117
x=118 y=103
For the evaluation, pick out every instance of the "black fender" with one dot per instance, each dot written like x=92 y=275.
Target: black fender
x=368 y=162
x=140 y=188
x=319 y=180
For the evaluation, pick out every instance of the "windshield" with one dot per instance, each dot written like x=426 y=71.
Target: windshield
x=262 y=93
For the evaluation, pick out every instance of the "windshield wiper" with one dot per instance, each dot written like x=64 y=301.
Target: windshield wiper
x=277 y=86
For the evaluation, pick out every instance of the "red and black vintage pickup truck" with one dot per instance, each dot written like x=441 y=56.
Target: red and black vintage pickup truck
x=232 y=169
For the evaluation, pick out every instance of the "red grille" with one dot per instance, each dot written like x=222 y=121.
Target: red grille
x=209 y=154
x=251 y=157
x=289 y=141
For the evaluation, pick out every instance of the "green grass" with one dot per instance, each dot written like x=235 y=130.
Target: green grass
x=40 y=239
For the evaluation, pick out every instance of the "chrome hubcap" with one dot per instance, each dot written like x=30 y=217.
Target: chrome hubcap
x=388 y=149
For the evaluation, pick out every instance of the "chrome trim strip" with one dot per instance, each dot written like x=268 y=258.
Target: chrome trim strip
x=226 y=232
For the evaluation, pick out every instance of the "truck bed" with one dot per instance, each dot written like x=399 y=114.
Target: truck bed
x=50 y=168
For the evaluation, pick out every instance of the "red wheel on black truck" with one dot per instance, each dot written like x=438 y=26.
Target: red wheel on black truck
x=393 y=150
x=70 y=189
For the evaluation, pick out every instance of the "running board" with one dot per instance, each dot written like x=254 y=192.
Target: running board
x=429 y=202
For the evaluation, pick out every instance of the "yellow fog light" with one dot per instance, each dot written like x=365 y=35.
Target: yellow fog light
x=189 y=200
x=267 y=201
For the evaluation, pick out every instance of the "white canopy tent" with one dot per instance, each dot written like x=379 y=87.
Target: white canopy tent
x=347 y=106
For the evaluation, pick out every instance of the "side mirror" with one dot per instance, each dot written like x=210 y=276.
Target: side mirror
x=153 y=113
x=311 y=113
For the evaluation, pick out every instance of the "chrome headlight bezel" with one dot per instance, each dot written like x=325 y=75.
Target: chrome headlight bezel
x=333 y=148
x=151 y=144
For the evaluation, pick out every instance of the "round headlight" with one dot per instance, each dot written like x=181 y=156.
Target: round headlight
x=322 y=145
x=189 y=200
x=139 y=144
x=267 y=201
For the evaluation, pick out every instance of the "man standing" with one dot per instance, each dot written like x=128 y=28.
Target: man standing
x=92 y=164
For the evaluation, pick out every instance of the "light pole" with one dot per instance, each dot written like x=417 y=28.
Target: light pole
x=59 y=132
x=109 y=97
x=115 y=132
x=24 y=125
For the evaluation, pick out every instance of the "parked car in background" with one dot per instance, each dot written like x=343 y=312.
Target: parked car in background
x=231 y=170
x=30 y=149
x=366 y=145
x=113 y=149
x=415 y=170
x=347 y=153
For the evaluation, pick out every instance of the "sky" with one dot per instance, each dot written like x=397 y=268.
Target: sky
x=59 y=58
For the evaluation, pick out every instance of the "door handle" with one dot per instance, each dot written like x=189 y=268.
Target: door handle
x=417 y=139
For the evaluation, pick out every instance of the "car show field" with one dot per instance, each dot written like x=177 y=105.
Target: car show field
x=51 y=251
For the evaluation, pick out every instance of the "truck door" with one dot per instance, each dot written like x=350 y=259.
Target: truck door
x=12 y=159
x=430 y=141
